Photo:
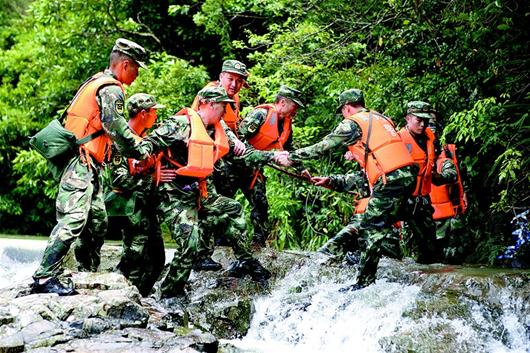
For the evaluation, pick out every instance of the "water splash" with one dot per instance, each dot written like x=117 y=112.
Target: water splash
x=306 y=313
x=19 y=260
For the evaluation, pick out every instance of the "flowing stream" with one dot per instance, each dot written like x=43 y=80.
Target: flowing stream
x=436 y=312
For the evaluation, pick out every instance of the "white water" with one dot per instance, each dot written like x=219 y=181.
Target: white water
x=19 y=259
x=306 y=313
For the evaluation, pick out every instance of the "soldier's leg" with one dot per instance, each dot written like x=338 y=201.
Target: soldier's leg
x=345 y=240
x=72 y=210
x=259 y=216
x=155 y=259
x=423 y=231
x=97 y=228
x=235 y=232
x=211 y=229
x=376 y=227
x=183 y=221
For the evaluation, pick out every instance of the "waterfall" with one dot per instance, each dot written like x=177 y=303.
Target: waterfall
x=306 y=313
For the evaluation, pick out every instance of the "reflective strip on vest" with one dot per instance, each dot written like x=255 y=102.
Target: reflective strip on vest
x=83 y=116
x=268 y=137
x=424 y=160
x=203 y=152
x=386 y=150
x=448 y=199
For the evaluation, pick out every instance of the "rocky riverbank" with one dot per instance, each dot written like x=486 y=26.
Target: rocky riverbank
x=108 y=315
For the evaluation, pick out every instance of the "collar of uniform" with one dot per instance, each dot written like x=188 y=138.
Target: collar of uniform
x=108 y=72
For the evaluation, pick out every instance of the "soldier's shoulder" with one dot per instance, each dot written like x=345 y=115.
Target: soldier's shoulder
x=111 y=90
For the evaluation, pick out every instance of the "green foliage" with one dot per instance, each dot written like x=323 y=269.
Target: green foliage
x=173 y=82
x=467 y=58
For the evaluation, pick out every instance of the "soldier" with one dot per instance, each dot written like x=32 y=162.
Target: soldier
x=377 y=147
x=190 y=205
x=95 y=116
x=267 y=127
x=143 y=256
x=448 y=200
x=420 y=142
x=232 y=78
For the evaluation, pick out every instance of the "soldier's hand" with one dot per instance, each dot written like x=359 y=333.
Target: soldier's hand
x=349 y=156
x=305 y=173
x=167 y=175
x=282 y=158
x=239 y=147
x=320 y=181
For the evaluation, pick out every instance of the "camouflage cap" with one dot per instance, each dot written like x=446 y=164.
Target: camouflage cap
x=291 y=93
x=420 y=109
x=141 y=101
x=352 y=95
x=131 y=49
x=214 y=94
x=236 y=67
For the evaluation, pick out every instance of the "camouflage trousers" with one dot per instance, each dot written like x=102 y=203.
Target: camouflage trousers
x=233 y=176
x=188 y=222
x=347 y=240
x=420 y=234
x=143 y=256
x=81 y=215
x=385 y=206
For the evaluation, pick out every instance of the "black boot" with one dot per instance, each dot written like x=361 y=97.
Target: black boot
x=259 y=239
x=352 y=288
x=252 y=267
x=53 y=285
x=206 y=264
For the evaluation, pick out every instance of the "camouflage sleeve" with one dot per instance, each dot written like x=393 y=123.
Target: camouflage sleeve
x=172 y=130
x=447 y=175
x=256 y=159
x=230 y=135
x=345 y=134
x=123 y=180
x=111 y=105
x=355 y=182
x=252 y=122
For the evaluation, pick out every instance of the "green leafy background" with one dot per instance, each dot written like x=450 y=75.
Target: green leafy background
x=468 y=58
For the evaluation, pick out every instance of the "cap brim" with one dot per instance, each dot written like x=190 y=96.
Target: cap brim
x=142 y=64
x=228 y=100
x=423 y=115
x=300 y=104
x=237 y=72
x=159 y=106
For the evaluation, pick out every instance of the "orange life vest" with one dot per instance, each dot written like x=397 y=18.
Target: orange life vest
x=448 y=200
x=203 y=152
x=268 y=137
x=231 y=116
x=424 y=160
x=380 y=150
x=83 y=117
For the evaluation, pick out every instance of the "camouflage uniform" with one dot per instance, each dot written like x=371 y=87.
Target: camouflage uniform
x=80 y=207
x=386 y=200
x=421 y=238
x=187 y=216
x=80 y=201
x=143 y=255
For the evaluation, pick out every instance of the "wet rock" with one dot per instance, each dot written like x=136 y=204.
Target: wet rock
x=12 y=343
